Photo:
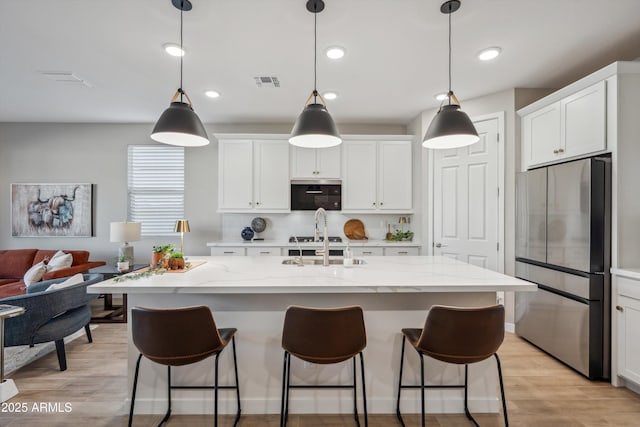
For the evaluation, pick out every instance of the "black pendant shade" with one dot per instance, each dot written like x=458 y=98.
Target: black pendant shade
x=180 y=125
x=315 y=128
x=450 y=128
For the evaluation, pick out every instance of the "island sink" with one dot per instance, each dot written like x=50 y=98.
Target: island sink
x=319 y=261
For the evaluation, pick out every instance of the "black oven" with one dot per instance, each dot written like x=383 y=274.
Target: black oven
x=312 y=252
x=311 y=195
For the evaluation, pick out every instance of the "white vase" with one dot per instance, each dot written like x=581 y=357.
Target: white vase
x=122 y=266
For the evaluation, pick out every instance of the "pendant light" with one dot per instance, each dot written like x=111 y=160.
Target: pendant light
x=314 y=127
x=179 y=124
x=451 y=127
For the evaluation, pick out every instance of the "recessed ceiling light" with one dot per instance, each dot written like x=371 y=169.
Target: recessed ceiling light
x=212 y=94
x=173 y=49
x=489 y=53
x=441 y=96
x=335 y=52
x=330 y=95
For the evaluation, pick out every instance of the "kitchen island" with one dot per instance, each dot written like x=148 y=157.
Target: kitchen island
x=252 y=294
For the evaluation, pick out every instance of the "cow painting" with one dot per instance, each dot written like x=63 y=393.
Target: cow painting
x=51 y=210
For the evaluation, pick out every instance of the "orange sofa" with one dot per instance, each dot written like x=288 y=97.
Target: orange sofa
x=14 y=263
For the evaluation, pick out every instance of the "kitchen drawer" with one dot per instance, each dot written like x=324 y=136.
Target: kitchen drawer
x=262 y=251
x=367 y=252
x=401 y=251
x=216 y=251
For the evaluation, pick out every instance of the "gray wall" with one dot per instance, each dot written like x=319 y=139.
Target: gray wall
x=97 y=154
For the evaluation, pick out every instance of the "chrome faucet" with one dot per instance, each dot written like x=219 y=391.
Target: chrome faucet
x=325 y=242
x=299 y=260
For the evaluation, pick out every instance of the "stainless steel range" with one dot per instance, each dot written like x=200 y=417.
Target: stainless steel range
x=307 y=251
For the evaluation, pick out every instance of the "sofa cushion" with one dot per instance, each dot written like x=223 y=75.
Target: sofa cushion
x=14 y=263
x=59 y=261
x=73 y=280
x=35 y=273
x=79 y=257
x=12 y=289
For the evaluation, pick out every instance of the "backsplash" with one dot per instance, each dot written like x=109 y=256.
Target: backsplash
x=281 y=226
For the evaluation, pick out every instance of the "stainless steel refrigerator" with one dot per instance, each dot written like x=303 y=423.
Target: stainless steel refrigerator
x=563 y=237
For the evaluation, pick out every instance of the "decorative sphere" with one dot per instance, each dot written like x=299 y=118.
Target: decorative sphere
x=247 y=233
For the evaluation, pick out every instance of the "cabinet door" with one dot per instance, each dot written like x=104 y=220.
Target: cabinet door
x=303 y=163
x=359 y=176
x=541 y=135
x=629 y=338
x=367 y=252
x=262 y=251
x=584 y=121
x=271 y=184
x=235 y=167
x=328 y=162
x=395 y=175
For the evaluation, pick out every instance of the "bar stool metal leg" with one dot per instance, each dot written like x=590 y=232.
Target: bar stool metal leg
x=504 y=401
x=215 y=394
x=235 y=366
x=422 y=389
x=364 y=392
x=168 y=414
x=133 y=393
x=400 y=382
x=355 y=394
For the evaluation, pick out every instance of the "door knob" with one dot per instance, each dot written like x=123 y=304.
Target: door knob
x=619 y=308
x=440 y=245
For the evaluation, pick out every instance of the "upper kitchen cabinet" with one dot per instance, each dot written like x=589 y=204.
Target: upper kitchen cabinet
x=315 y=163
x=573 y=127
x=377 y=176
x=253 y=176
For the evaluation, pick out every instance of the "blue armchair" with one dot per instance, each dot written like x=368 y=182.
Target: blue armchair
x=50 y=315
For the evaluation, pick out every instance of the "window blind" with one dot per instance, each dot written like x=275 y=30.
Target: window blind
x=156 y=187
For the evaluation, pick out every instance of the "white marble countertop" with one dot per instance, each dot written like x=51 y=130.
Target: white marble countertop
x=267 y=275
x=282 y=243
x=631 y=273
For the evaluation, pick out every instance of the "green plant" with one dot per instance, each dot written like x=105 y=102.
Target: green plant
x=163 y=248
x=122 y=258
x=401 y=235
x=177 y=255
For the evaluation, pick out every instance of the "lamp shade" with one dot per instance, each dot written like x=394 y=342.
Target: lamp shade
x=450 y=128
x=315 y=128
x=125 y=231
x=180 y=125
x=182 y=226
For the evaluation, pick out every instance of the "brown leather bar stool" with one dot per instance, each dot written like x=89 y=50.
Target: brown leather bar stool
x=177 y=337
x=323 y=336
x=456 y=335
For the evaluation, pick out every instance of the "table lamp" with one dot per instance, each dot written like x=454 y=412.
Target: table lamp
x=182 y=226
x=125 y=232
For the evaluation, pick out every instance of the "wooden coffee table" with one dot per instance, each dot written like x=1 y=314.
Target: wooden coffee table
x=118 y=313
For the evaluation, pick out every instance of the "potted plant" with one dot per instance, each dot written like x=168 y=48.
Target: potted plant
x=123 y=264
x=160 y=255
x=176 y=262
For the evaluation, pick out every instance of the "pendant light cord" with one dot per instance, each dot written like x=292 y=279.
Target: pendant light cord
x=449 y=94
x=315 y=52
x=181 y=51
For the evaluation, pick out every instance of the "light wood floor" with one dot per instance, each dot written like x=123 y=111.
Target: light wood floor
x=540 y=392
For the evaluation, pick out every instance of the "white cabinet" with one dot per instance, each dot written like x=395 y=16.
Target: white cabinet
x=358 y=252
x=314 y=163
x=264 y=251
x=628 y=320
x=253 y=176
x=377 y=176
x=227 y=251
x=402 y=251
x=572 y=127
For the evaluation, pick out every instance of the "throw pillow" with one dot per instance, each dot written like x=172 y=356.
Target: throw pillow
x=35 y=273
x=73 y=280
x=59 y=261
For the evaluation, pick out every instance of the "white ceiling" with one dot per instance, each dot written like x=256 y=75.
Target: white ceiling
x=395 y=62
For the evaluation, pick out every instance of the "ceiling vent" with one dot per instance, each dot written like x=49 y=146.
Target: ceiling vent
x=65 y=77
x=269 y=81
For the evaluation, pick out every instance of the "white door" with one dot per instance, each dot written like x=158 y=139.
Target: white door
x=271 y=164
x=465 y=200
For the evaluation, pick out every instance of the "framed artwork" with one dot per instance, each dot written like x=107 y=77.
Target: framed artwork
x=51 y=210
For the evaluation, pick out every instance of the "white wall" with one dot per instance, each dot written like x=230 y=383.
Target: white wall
x=97 y=154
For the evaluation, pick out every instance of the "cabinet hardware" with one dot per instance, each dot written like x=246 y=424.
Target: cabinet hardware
x=366 y=252
x=555 y=151
x=229 y=252
x=250 y=203
x=620 y=308
x=373 y=204
x=403 y=252
x=265 y=252
x=381 y=203
x=257 y=203
x=560 y=150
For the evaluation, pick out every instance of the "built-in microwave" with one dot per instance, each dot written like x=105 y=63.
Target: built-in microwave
x=309 y=195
